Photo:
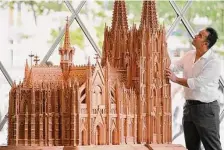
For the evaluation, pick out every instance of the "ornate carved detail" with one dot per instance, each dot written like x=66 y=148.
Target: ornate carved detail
x=128 y=91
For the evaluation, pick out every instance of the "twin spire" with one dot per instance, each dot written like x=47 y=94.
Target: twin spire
x=67 y=44
x=119 y=19
x=148 y=16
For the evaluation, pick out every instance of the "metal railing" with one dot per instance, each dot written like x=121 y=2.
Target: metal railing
x=6 y=74
x=3 y=122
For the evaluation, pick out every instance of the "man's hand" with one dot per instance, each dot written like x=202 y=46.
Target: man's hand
x=170 y=75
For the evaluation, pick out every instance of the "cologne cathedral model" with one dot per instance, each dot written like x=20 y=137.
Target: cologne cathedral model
x=124 y=99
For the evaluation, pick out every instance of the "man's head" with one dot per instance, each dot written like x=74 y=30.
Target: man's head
x=205 y=39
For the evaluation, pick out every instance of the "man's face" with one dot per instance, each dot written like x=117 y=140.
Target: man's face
x=200 y=40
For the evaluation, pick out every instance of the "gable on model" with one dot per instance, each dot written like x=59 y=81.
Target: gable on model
x=124 y=98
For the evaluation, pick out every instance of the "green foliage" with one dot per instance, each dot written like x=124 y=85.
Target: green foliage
x=77 y=37
x=24 y=36
x=54 y=33
x=213 y=11
x=37 y=7
x=100 y=14
x=100 y=34
x=40 y=6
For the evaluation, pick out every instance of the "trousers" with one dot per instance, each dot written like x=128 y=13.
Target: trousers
x=201 y=124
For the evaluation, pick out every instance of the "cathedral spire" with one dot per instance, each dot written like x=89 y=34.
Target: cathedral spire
x=26 y=72
x=26 y=66
x=67 y=38
x=66 y=53
x=119 y=15
x=26 y=69
x=149 y=15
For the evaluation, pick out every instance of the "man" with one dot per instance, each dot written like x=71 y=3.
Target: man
x=201 y=72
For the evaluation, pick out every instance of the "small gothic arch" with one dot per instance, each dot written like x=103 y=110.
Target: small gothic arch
x=131 y=129
x=145 y=129
x=114 y=137
x=156 y=69
x=70 y=55
x=154 y=92
x=154 y=95
x=144 y=134
x=84 y=137
x=25 y=106
x=65 y=56
x=97 y=96
x=144 y=107
x=98 y=135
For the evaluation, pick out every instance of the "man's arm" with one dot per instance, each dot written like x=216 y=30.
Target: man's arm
x=210 y=72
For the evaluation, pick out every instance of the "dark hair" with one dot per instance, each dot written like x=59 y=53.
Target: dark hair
x=212 y=36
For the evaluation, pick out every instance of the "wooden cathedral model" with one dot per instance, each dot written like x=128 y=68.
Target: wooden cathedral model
x=122 y=99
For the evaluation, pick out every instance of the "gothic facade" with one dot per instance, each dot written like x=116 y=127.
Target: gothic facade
x=124 y=98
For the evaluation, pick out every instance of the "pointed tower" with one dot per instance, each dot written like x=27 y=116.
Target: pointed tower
x=26 y=73
x=66 y=53
x=115 y=38
x=119 y=19
x=154 y=94
x=147 y=45
x=149 y=15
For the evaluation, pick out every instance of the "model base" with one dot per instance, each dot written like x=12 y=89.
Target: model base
x=100 y=147
x=165 y=147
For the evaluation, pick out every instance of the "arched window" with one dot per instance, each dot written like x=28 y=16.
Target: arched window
x=97 y=96
x=65 y=56
x=98 y=135
x=70 y=55
x=114 y=137
x=84 y=137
